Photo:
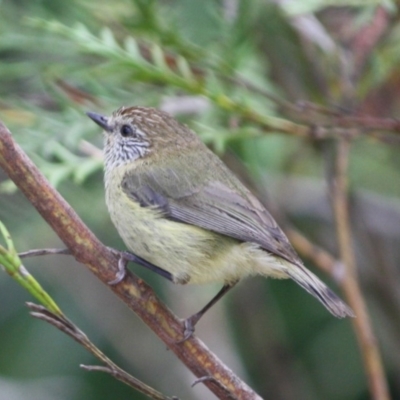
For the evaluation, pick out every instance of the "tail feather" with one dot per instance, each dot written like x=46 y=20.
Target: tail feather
x=313 y=285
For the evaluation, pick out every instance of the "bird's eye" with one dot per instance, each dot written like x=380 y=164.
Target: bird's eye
x=126 y=130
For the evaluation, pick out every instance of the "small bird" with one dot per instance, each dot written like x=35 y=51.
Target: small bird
x=185 y=215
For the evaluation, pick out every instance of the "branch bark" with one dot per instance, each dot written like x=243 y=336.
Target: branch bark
x=139 y=297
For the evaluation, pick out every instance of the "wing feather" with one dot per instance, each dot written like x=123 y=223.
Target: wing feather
x=219 y=203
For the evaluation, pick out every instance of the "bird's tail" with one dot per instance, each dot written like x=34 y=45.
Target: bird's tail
x=313 y=285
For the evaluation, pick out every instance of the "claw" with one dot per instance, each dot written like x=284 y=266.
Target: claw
x=203 y=379
x=123 y=260
x=122 y=266
x=189 y=329
x=189 y=326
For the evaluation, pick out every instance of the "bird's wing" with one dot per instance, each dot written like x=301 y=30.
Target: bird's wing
x=219 y=203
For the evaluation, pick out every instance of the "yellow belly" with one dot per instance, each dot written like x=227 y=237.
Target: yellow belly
x=186 y=251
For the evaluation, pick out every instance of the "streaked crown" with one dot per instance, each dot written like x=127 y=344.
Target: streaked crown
x=133 y=133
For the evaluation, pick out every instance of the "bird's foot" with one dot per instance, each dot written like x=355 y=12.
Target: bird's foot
x=123 y=259
x=189 y=327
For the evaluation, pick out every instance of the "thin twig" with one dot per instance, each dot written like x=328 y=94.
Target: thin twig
x=88 y=250
x=362 y=324
x=66 y=326
x=43 y=252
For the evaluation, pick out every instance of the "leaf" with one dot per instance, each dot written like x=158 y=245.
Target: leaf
x=58 y=173
x=12 y=264
x=87 y=168
x=158 y=57
x=132 y=48
x=108 y=38
x=184 y=68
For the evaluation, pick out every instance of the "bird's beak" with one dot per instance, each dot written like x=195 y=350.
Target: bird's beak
x=100 y=120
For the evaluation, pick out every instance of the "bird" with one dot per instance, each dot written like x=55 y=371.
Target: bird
x=182 y=213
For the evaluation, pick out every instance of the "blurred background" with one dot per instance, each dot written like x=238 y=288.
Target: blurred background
x=212 y=64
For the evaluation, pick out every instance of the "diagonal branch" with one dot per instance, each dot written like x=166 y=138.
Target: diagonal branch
x=139 y=297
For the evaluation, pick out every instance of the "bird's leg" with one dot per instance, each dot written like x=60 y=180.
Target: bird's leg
x=194 y=319
x=125 y=257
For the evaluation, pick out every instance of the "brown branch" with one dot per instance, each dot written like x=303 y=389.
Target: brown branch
x=369 y=123
x=362 y=324
x=88 y=250
x=334 y=116
x=347 y=127
x=367 y=37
